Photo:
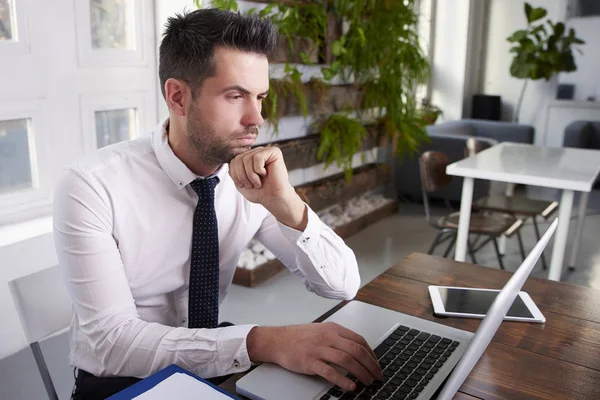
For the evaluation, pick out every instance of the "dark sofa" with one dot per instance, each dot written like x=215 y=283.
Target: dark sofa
x=450 y=138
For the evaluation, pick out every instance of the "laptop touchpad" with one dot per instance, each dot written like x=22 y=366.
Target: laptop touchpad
x=269 y=381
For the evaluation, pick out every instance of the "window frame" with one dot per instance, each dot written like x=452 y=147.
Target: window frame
x=90 y=57
x=90 y=104
x=36 y=201
x=21 y=45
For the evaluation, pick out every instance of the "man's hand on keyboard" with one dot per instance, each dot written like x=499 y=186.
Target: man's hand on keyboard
x=315 y=349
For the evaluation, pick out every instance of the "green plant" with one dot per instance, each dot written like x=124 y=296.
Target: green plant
x=341 y=138
x=378 y=52
x=541 y=50
x=300 y=20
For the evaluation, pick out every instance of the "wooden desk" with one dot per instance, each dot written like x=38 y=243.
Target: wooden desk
x=557 y=360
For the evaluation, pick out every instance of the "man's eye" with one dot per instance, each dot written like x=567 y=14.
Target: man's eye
x=237 y=96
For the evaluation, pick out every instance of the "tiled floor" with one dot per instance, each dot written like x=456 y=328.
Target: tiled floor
x=283 y=299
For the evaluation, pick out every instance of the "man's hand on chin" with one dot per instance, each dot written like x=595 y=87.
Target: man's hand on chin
x=261 y=176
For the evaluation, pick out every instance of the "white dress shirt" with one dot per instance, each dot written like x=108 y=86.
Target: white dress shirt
x=123 y=227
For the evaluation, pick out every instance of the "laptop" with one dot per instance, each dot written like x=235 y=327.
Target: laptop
x=420 y=359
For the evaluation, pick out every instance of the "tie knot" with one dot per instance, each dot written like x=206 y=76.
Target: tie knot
x=205 y=188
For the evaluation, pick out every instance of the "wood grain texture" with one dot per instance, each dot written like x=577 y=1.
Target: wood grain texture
x=336 y=189
x=561 y=298
x=561 y=337
x=302 y=152
x=504 y=372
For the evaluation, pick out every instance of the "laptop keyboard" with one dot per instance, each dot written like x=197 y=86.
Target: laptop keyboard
x=409 y=358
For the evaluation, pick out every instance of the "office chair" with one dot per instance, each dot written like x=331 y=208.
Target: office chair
x=432 y=165
x=520 y=206
x=45 y=310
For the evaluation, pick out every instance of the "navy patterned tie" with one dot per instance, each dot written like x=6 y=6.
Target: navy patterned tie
x=203 y=305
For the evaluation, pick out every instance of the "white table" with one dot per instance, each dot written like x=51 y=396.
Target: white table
x=567 y=169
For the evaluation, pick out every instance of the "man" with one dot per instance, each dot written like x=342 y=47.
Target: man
x=149 y=231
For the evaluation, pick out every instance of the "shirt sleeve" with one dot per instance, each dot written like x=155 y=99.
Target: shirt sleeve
x=105 y=311
x=317 y=255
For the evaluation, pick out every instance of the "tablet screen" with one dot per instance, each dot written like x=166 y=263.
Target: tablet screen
x=478 y=302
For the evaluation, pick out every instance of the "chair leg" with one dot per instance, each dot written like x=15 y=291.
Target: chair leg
x=476 y=241
x=521 y=247
x=537 y=234
x=435 y=242
x=452 y=241
x=495 y=241
x=41 y=364
x=471 y=252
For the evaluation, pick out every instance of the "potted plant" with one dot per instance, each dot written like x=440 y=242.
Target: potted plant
x=541 y=50
x=429 y=112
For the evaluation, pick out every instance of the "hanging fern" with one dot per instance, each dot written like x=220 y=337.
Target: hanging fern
x=341 y=139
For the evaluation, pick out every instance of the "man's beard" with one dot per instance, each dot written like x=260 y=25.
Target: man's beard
x=207 y=145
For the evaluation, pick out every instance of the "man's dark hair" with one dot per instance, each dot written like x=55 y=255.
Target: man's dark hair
x=189 y=42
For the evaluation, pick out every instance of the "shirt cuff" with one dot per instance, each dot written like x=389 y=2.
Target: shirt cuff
x=232 y=351
x=310 y=233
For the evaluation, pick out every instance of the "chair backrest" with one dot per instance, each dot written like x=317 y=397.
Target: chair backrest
x=433 y=171
x=432 y=167
x=43 y=303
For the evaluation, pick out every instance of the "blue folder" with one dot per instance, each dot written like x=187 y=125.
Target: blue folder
x=146 y=384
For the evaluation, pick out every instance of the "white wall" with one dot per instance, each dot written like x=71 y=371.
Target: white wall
x=587 y=77
x=505 y=17
x=450 y=57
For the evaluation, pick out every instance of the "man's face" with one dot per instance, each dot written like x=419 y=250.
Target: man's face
x=224 y=117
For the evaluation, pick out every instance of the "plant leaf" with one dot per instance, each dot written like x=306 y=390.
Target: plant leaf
x=518 y=36
x=337 y=48
x=537 y=13
x=305 y=58
x=559 y=29
x=528 y=10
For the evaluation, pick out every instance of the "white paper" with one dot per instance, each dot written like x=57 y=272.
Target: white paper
x=182 y=387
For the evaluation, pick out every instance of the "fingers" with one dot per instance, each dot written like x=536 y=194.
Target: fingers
x=349 y=362
x=355 y=337
x=369 y=366
x=332 y=375
x=249 y=164
x=248 y=168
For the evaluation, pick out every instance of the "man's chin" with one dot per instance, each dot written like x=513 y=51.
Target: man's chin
x=237 y=151
x=240 y=150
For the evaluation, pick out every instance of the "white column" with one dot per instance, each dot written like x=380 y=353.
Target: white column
x=464 y=219
x=560 y=238
x=583 y=200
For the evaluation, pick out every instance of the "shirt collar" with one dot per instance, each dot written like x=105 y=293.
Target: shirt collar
x=175 y=169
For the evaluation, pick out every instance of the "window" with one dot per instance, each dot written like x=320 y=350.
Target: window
x=7 y=21
x=110 y=32
x=115 y=126
x=112 y=24
x=16 y=172
x=14 y=38
x=24 y=168
x=109 y=118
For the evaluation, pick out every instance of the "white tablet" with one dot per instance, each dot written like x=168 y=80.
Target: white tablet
x=474 y=303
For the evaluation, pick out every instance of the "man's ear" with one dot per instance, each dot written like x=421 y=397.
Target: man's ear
x=177 y=96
